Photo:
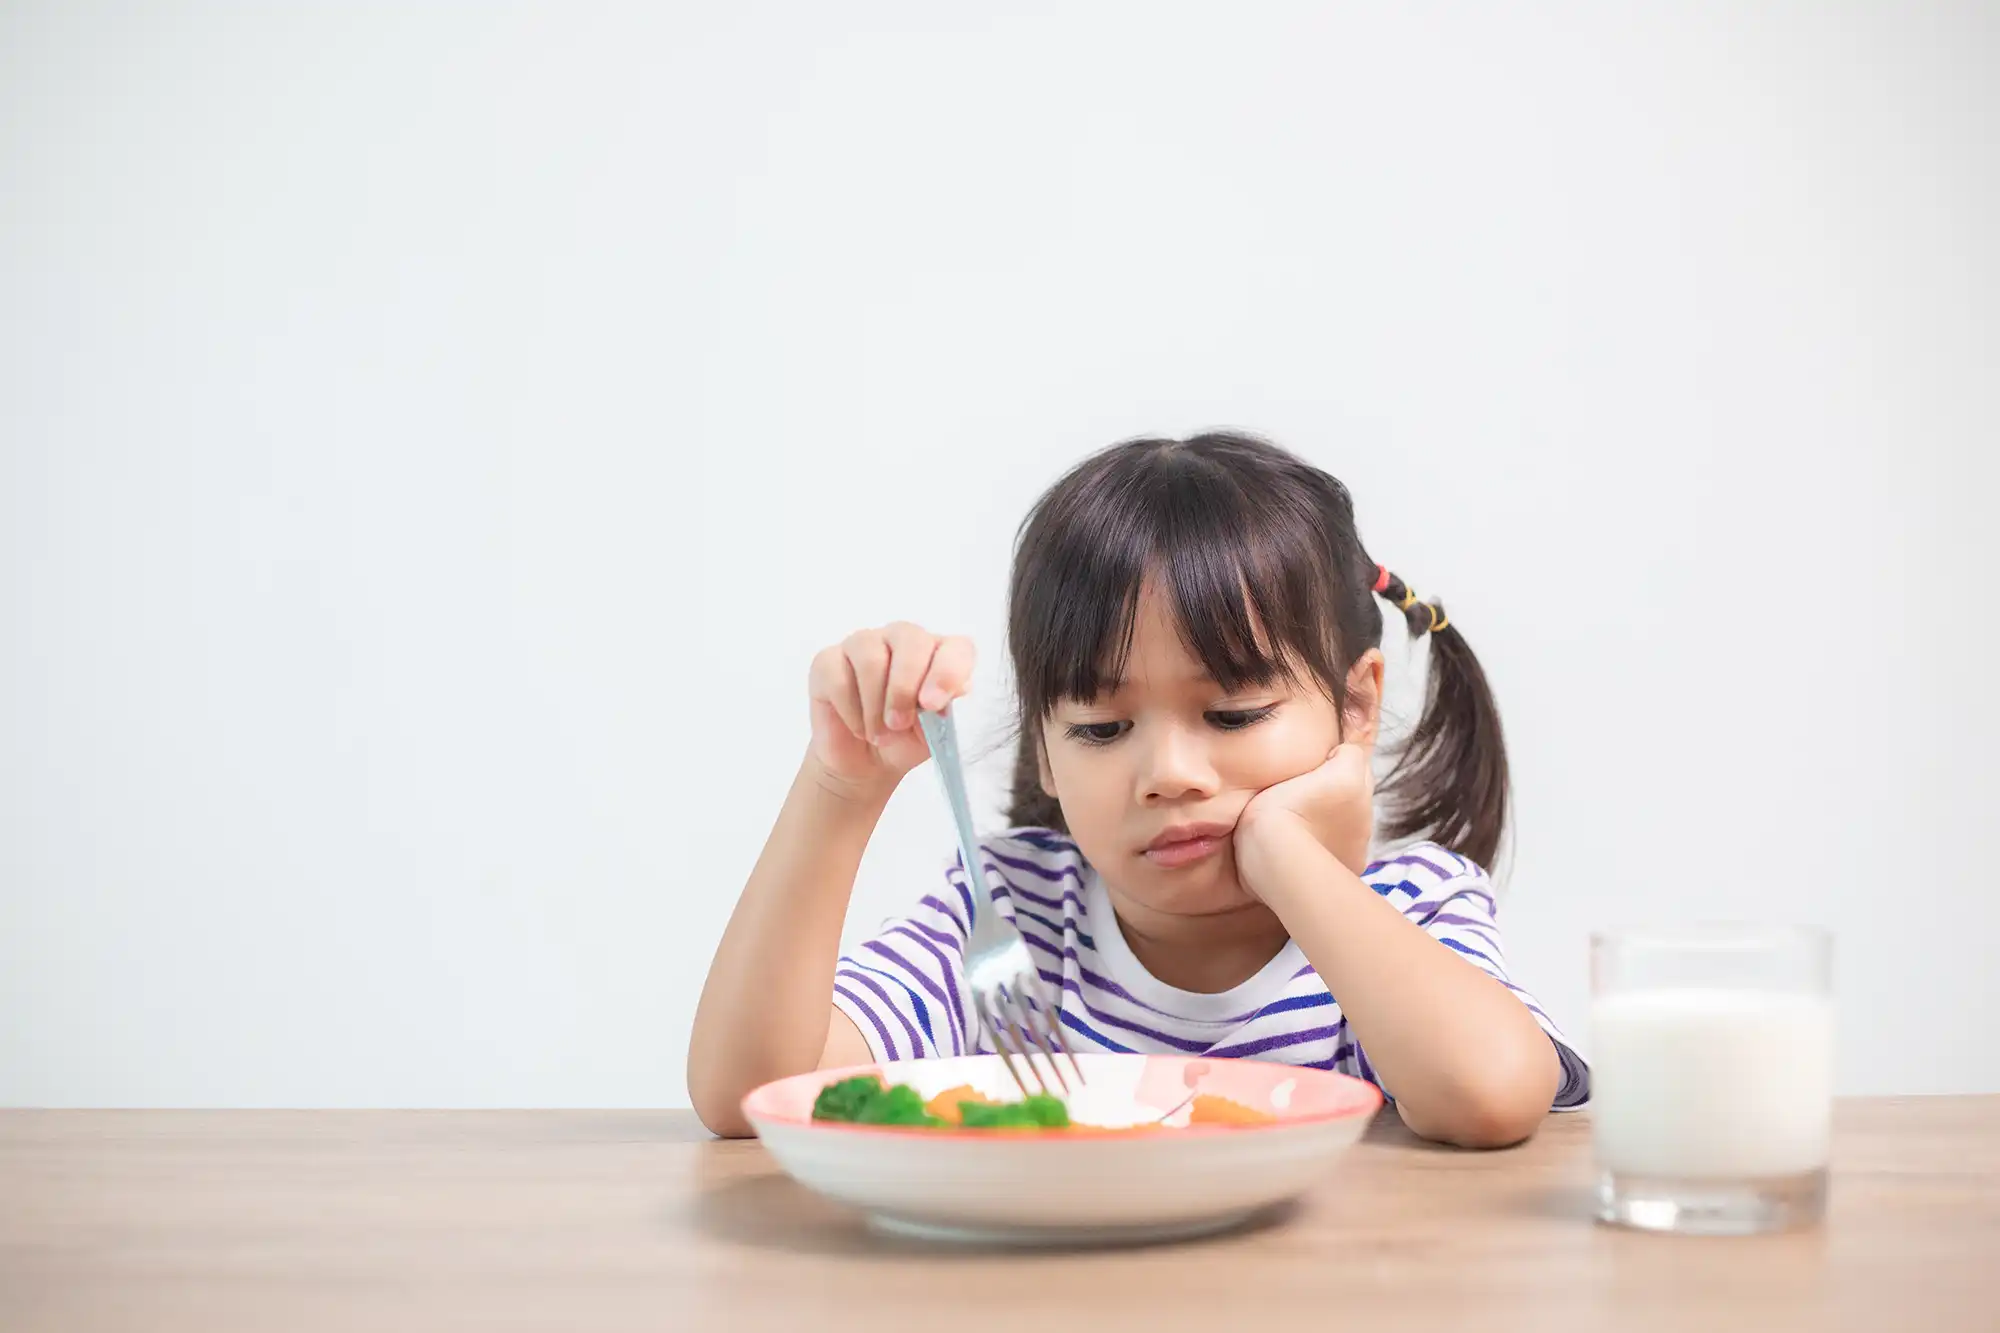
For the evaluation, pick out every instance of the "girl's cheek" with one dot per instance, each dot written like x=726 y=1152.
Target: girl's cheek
x=1088 y=780
x=1288 y=749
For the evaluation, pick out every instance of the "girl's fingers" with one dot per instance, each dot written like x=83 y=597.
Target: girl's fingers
x=1351 y=765
x=832 y=683
x=949 y=675
x=910 y=651
x=868 y=654
x=876 y=680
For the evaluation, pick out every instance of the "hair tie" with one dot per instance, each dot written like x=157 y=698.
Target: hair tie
x=1409 y=598
x=1381 y=578
x=1438 y=618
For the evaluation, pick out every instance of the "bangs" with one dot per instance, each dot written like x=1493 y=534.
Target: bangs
x=1246 y=577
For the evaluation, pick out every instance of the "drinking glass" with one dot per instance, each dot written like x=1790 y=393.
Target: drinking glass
x=1712 y=1077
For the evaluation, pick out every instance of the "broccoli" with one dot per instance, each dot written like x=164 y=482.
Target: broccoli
x=900 y=1105
x=1040 y=1111
x=845 y=1099
x=864 y=1101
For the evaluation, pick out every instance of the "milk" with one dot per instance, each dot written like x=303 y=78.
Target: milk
x=1702 y=1083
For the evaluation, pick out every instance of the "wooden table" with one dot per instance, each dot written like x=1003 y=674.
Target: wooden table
x=305 y=1220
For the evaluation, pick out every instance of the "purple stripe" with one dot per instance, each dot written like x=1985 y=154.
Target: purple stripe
x=937 y=904
x=1340 y=1053
x=1037 y=942
x=1039 y=899
x=1528 y=1001
x=1023 y=920
x=1432 y=909
x=1460 y=919
x=1412 y=859
x=1575 y=1089
x=1021 y=913
x=1275 y=1041
x=1305 y=971
x=1537 y=1011
x=948 y=1001
x=1467 y=950
x=959 y=880
x=1193 y=1047
x=916 y=1042
x=917 y=1005
x=1310 y=1000
x=888 y=1046
x=955 y=943
x=1109 y=987
x=1003 y=890
x=1482 y=932
x=1068 y=898
x=1046 y=839
x=1035 y=869
x=1077 y=1025
x=1069 y=924
x=996 y=887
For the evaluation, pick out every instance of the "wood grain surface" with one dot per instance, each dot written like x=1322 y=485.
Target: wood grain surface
x=309 y=1220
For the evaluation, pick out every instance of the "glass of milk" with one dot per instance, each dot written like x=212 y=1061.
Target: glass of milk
x=1712 y=1077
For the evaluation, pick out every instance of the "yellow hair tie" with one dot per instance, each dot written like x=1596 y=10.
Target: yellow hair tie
x=1438 y=619
x=1409 y=598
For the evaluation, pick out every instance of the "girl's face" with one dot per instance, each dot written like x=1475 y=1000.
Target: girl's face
x=1153 y=775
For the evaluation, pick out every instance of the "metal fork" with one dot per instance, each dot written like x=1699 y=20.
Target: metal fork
x=1008 y=995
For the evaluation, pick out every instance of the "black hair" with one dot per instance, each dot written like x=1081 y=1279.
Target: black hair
x=1258 y=551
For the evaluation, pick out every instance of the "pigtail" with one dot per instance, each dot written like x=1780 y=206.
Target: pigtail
x=1450 y=779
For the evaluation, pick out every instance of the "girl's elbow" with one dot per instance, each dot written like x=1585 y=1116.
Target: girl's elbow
x=721 y=1117
x=717 y=1102
x=1497 y=1122
x=1507 y=1102
x=1489 y=1110
x=1474 y=1122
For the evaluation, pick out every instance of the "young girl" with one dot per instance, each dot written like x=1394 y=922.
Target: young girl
x=1196 y=645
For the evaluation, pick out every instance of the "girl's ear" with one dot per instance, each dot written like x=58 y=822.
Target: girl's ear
x=1361 y=721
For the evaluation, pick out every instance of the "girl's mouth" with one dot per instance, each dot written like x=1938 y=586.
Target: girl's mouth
x=1185 y=844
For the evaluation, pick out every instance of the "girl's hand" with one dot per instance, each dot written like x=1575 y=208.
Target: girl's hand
x=1335 y=801
x=865 y=693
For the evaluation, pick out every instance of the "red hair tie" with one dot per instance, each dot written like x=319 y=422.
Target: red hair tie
x=1381 y=578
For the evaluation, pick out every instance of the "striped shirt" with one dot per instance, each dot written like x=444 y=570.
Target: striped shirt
x=906 y=990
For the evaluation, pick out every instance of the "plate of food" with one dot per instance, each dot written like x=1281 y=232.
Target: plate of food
x=1149 y=1147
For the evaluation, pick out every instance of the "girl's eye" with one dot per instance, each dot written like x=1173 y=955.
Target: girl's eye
x=1236 y=719
x=1097 y=733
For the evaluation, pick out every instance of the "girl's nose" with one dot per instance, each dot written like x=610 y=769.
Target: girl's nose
x=1175 y=767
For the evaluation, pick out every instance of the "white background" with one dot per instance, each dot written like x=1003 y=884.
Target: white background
x=433 y=441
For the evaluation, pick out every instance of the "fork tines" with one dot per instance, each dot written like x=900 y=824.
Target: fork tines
x=1010 y=1015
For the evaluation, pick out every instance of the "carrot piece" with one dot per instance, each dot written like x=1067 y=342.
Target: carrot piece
x=945 y=1105
x=1212 y=1110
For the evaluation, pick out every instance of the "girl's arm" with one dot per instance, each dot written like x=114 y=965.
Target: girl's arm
x=767 y=1009
x=1465 y=1059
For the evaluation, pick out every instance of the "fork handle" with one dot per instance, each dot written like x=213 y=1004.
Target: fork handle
x=942 y=733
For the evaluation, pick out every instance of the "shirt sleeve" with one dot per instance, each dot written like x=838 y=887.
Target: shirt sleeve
x=906 y=988
x=1452 y=899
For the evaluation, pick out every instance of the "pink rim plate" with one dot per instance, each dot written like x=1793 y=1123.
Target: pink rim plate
x=1294 y=1096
